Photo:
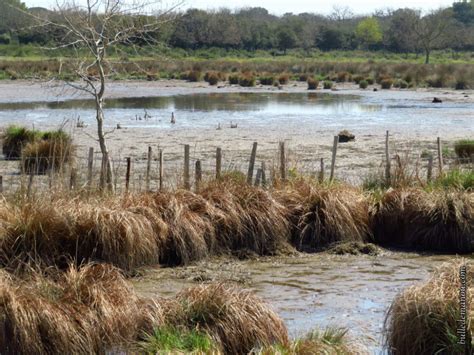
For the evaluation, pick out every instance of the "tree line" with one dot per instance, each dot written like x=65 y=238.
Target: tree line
x=402 y=31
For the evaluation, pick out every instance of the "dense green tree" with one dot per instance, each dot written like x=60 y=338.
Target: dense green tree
x=368 y=31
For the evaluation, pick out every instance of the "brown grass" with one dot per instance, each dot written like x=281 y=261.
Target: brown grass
x=423 y=319
x=236 y=319
x=321 y=215
x=87 y=310
x=412 y=218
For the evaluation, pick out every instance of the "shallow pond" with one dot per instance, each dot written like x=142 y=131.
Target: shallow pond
x=311 y=291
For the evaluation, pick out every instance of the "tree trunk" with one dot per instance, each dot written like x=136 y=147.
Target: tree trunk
x=106 y=173
x=427 y=56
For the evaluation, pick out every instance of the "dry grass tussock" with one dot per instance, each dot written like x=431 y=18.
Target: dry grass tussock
x=87 y=310
x=424 y=318
x=92 y=309
x=237 y=320
x=413 y=218
x=325 y=214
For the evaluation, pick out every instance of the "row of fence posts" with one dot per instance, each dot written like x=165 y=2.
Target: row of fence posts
x=260 y=178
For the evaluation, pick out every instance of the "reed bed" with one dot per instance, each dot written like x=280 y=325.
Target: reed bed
x=424 y=319
x=228 y=216
x=92 y=309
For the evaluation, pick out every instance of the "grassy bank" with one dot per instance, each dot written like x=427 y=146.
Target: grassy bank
x=230 y=217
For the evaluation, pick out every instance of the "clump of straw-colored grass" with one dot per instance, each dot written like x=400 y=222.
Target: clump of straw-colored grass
x=438 y=220
x=424 y=319
x=250 y=219
x=86 y=310
x=235 y=319
x=15 y=138
x=323 y=215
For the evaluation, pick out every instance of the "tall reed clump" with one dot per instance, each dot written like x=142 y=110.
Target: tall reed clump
x=14 y=139
x=235 y=319
x=56 y=232
x=312 y=83
x=321 y=215
x=82 y=311
x=425 y=319
x=464 y=148
x=52 y=151
x=250 y=219
x=413 y=218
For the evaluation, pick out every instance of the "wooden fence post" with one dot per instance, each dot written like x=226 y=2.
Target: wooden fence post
x=264 y=177
x=1 y=184
x=161 y=169
x=258 y=178
x=90 y=164
x=430 y=168
x=282 y=162
x=127 y=174
x=148 y=169
x=187 y=184
x=198 y=177
x=333 y=161
x=30 y=184
x=440 y=156
x=387 y=161
x=72 y=179
x=218 y=162
x=252 y=163
x=321 y=171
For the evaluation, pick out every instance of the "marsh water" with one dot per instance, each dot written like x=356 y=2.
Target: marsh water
x=307 y=112
x=311 y=291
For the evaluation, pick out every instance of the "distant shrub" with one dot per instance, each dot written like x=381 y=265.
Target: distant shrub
x=267 y=80
x=312 y=83
x=327 y=84
x=435 y=81
x=246 y=80
x=386 y=83
x=194 y=76
x=370 y=80
x=283 y=79
x=303 y=77
x=212 y=78
x=461 y=84
x=357 y=78
x=400 y=83
x=343 y=77
x=363 y=84
x=233 y=79
x=464 y=148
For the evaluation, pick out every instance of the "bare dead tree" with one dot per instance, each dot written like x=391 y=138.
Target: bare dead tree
x=93 y=28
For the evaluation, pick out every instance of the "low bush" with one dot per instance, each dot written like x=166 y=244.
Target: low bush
x=464 y=148
x=386 y=83
x=327 y=84
x=15 y=138
x=267 y=79
x=283 y=79
x=212 y=78
x=363 y=84
x=312 y=84
x=246 y=80
x=233 y=79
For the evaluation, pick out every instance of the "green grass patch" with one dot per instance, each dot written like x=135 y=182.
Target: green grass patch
x=167 y=340
x=464 y=148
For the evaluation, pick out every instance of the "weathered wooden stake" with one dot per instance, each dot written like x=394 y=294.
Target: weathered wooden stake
x=1 y=184
x=264 y=178
x=282 y=162
x=440 y=157
x=252 y=163
x=218 y=162
x=198 y=173
x=161 y=169
x=90 y=164
x=72 y=179
x=333 y=161
x=127 y=174
x=148 y=169
x=258 y=178
x=430 y=168
x=387 y=160
x=187 y=184
x=321 y=171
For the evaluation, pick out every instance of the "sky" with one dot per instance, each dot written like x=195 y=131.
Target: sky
x=279 y=7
